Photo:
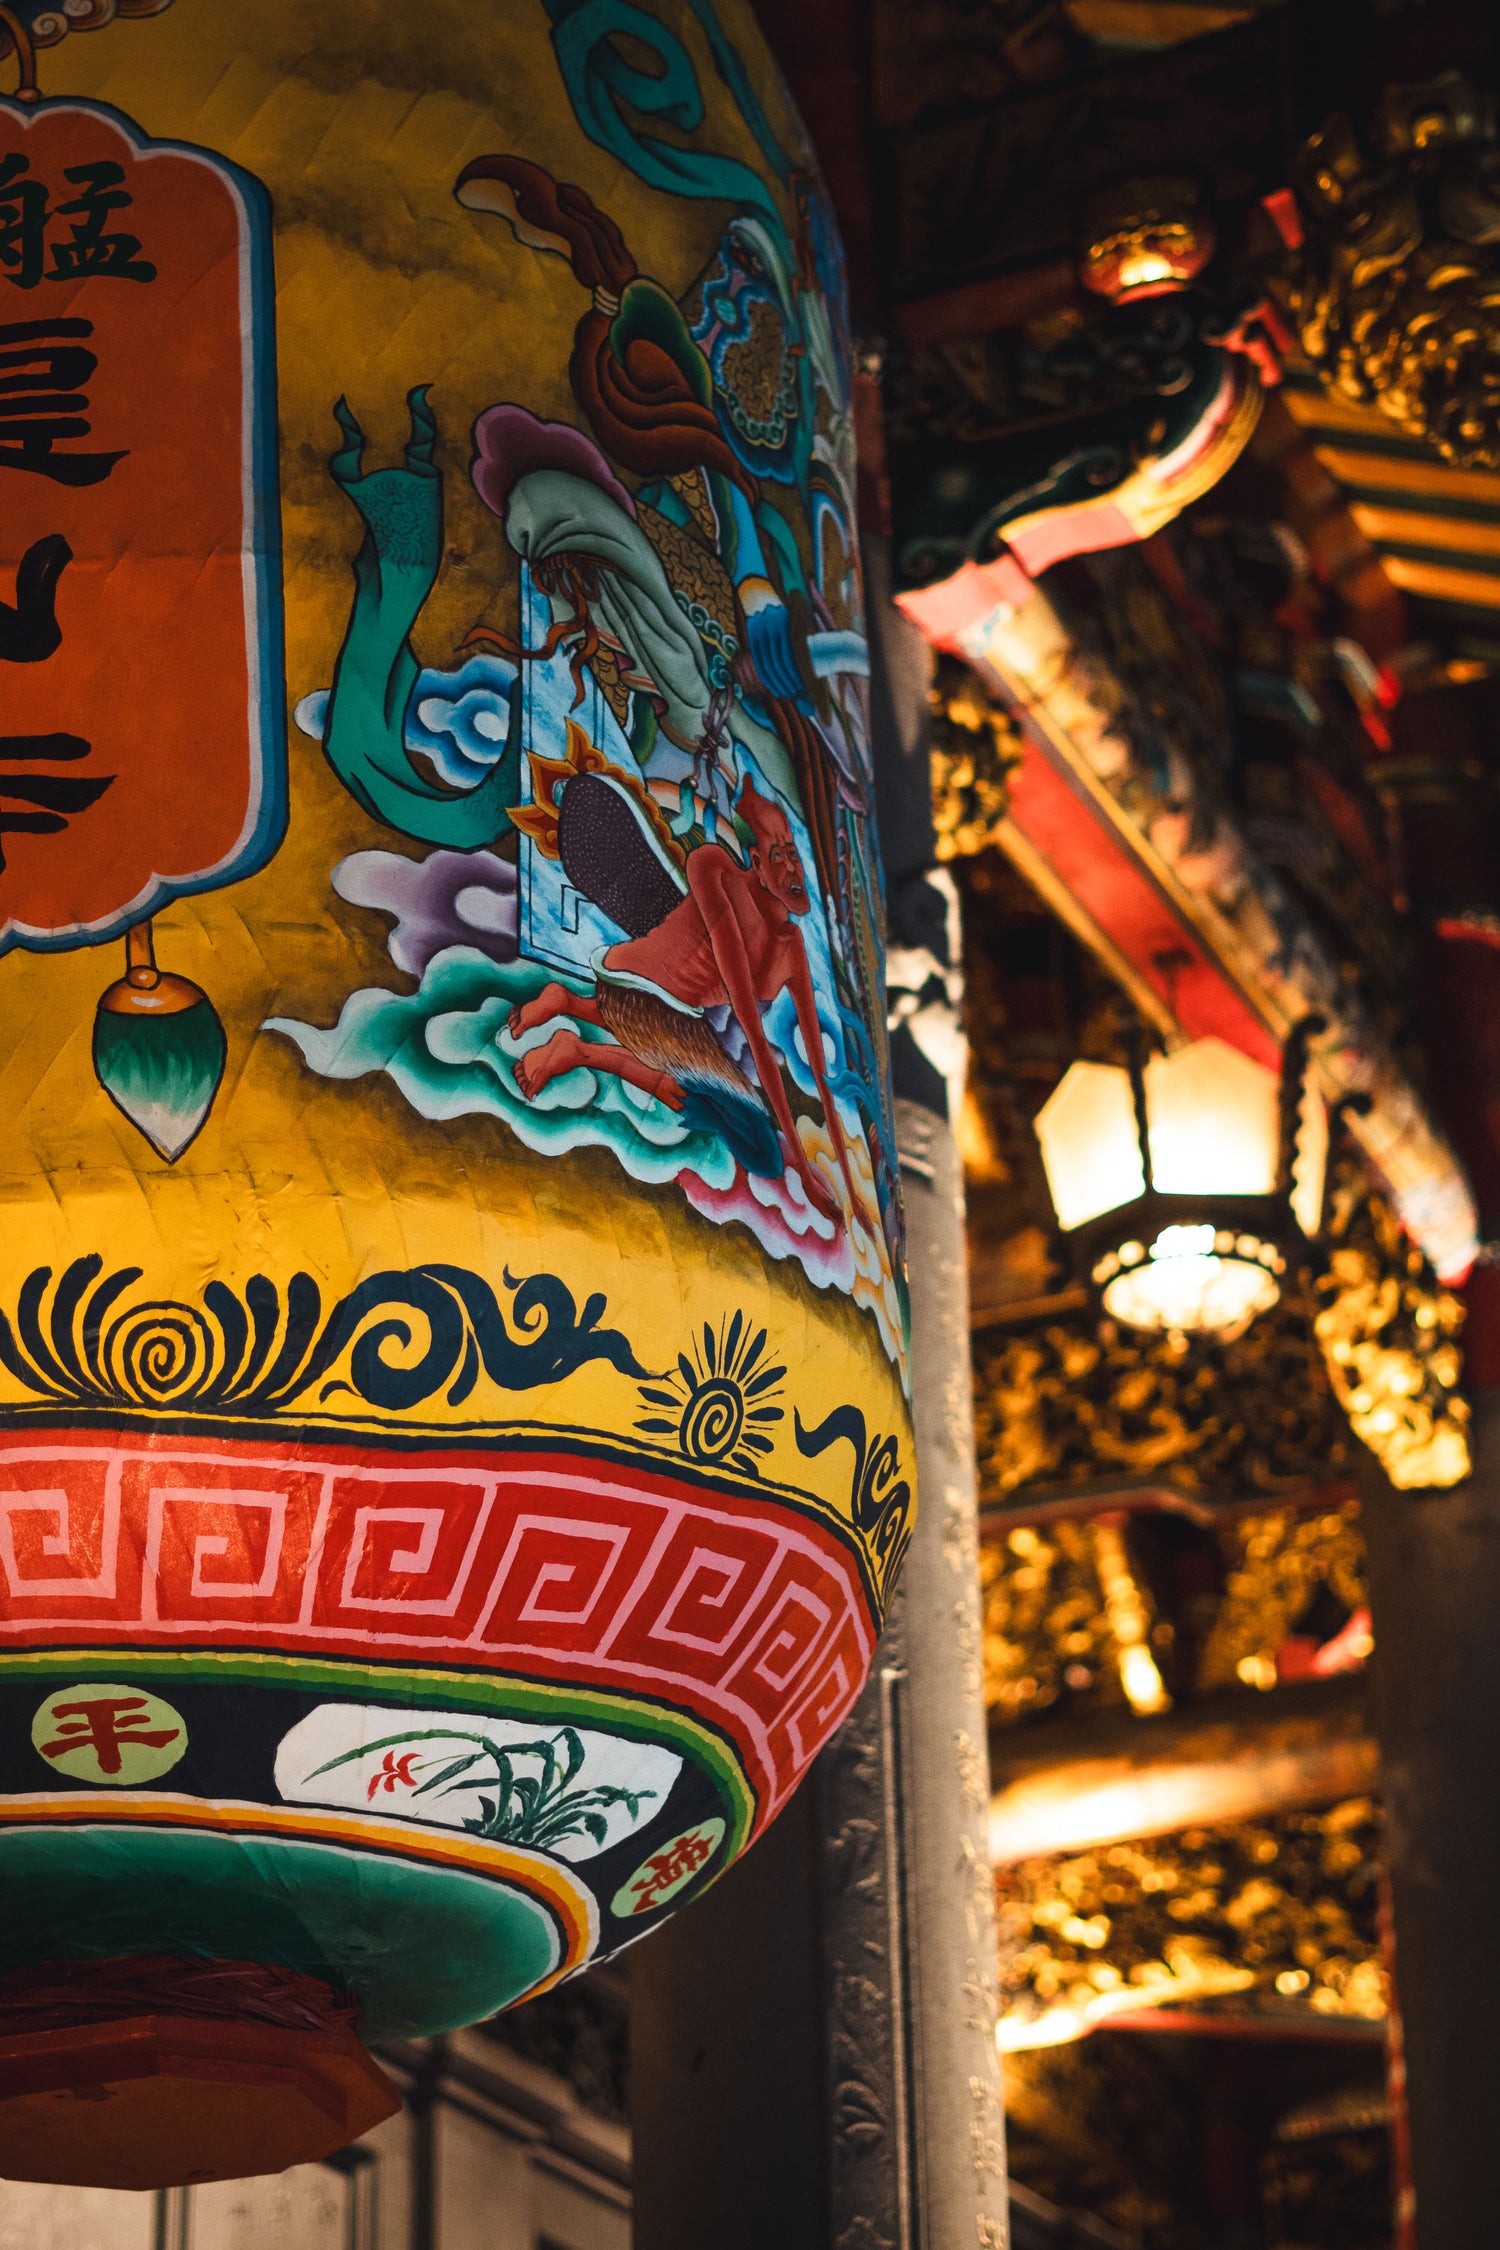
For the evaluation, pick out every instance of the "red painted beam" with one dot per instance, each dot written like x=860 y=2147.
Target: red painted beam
x=1115 y=889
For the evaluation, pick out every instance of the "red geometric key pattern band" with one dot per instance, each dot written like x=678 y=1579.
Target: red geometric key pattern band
x=737 y=1609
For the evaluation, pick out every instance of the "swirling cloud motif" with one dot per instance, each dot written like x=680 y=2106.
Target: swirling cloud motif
x=459 y=721
x=778 y=1214
x=448 y=1049
x=447 y=899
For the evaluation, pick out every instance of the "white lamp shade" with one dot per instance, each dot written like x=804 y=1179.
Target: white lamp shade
x=1213 y=1119
x=1089 y=1144
x=1203 y=1295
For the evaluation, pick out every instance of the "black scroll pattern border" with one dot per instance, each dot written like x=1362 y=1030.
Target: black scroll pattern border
x=881 y=1506
x=260 y=1355
x=80 y=1346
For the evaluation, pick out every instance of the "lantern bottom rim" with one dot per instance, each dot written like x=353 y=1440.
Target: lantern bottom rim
x=421 y=1947
x=151 y=2099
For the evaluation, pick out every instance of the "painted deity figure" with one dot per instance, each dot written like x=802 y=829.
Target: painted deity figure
x=648 y=786
x=732 y=940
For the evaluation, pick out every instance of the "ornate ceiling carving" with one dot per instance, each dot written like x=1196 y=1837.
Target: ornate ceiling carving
x=1396 y=286
x=1274 y=1918
x=975 y=748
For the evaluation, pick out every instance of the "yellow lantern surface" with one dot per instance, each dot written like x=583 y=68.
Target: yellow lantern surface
x=454 y=1445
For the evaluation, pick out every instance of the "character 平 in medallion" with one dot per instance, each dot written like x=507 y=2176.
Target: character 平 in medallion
x=721 y=933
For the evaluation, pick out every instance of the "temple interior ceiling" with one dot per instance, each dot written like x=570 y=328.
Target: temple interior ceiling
x=1261 y=692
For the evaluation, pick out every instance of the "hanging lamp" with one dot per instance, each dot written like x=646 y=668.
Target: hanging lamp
x=1187 y=1185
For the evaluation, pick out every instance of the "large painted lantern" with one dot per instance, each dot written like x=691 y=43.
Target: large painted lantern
x=453 y=1440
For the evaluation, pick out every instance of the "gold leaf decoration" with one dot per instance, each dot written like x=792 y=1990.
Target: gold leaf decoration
x=1274 y=1566
x=1389 y=1333
x=1050 y=1626
x=1393 y=291
x=975 y=748
x=1078 y=1400
x=1046 y=1620
x=1273 y=1918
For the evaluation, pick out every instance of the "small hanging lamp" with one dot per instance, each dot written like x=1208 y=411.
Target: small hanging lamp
x=1186 y=1183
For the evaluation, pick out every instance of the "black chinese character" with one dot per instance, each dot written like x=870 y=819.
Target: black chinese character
x=42 y=401
x=29 y=630
x=58 y=795
x=91 y=250
x=23 y=223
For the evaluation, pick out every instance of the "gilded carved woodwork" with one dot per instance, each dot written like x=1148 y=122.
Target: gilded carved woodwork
x=1070 y=1610
x=1275 y=1566
x=1246 y=929
x=975 y=748
x=1046 y=1623
x=1396 y=286
x=1080 y=1399
x=1270 y=1919
x=1389 y=1334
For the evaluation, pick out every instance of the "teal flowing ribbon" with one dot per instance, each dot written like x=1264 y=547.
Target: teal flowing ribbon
x=394 y=572
x=602 y=85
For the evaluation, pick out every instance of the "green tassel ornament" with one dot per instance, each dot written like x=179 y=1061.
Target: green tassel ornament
x=159 y=1048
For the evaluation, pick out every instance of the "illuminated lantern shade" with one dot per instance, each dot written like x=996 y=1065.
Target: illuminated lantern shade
x=1187 y=1185
x=454 y=1444
x=1145 y=238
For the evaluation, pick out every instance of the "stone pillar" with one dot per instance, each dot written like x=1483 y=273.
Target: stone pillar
x=916 y=2116
x=813 y=2045
x=1435 y=1556
x=1435 y=1596
x=916 y=2110
x=945 y=1769
x=874 y=2169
